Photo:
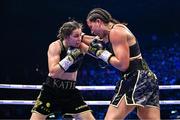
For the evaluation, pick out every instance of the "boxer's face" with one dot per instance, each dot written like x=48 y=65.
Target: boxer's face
x=74 y=39
x=96 y=27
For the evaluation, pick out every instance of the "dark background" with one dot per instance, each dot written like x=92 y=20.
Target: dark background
x=29 y=26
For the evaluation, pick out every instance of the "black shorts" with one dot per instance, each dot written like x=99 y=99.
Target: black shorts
x=59 y=96
x=138 y=88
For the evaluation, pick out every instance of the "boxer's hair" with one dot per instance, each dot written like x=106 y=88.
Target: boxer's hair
x=99 y=13
x=67 y=28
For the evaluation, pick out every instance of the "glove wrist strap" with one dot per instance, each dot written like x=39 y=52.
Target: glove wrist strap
x=104 y=55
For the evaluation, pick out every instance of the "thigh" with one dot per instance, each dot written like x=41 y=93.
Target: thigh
x=74 y=103
x=87 y=115
x=38 y=116
x=150 y=113
x=119 y=112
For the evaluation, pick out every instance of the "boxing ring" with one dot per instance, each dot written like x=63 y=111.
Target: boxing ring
x=38 y=87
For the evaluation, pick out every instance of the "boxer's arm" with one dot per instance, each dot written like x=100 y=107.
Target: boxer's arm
x=85 y=48
x=87 y=39
x=53 y=54
x=121 y=49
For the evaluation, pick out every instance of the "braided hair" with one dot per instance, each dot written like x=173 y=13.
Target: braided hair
x=99 y=13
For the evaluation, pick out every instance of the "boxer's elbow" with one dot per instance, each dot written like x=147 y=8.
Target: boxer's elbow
x=120 y=64
x=124 y=65
x=55 y=71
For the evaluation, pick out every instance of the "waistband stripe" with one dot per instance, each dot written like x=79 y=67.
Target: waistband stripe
x=60 y=84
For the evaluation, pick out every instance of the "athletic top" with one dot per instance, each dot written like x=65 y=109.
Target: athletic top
x=136 y=64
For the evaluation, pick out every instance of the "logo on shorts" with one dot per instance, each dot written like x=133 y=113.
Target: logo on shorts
x=38 y=103
x=48 y=104
x=80 y=107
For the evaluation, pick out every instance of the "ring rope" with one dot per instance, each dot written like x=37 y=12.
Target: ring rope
x=37 y=87
x=30 y=102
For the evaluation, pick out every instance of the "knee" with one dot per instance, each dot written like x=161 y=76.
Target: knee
x=84 y=116
x=112 y=116
x=38 y=116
